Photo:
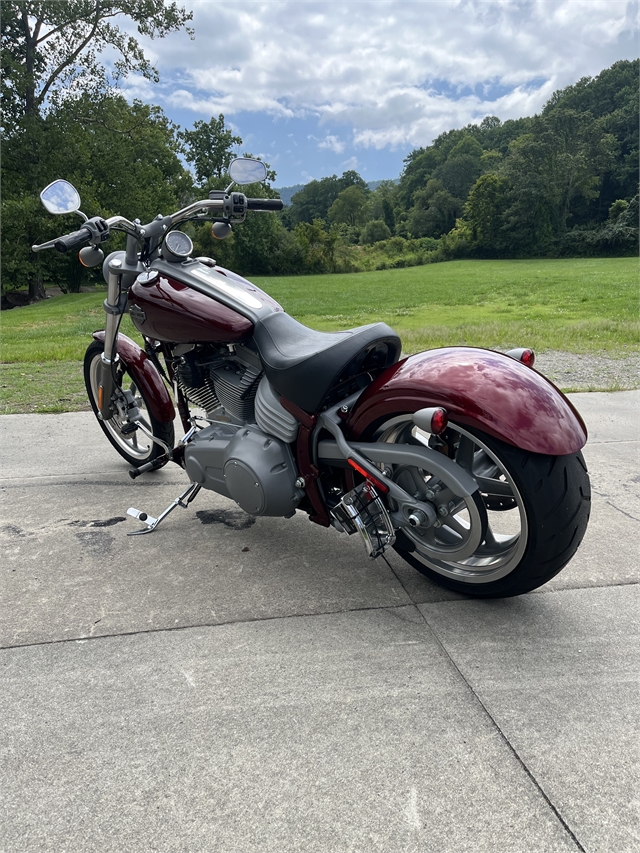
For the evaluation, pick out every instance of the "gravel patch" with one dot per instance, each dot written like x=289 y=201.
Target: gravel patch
x=588 y=372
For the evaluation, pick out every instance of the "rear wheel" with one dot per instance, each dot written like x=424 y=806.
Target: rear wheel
x=514 y=534
x=136 y=447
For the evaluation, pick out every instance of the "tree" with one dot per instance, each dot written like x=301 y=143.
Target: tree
x=484 y=214
x=611 y=99
x=381 y=203
x=388 y=215
x=208 y=147
x=121 y=157
x=532 y=199
x=50 y=57
x=419 y=166
x=579 y=152
x=51 y=47
x=351 y=178
x=617 y=209
x=462 y=167
x=349 y=207
x=434 y=212
x=315 y=198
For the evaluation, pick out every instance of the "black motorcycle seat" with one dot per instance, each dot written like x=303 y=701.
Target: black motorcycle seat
x=303 y=365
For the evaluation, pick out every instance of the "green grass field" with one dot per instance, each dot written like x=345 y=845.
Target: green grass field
x=579 y=305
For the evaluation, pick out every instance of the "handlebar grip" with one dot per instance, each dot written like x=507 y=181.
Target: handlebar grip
x=265 y=204
x=70 y=241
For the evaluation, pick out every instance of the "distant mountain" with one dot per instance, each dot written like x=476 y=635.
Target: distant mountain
x=287 y=193
x=373 y=185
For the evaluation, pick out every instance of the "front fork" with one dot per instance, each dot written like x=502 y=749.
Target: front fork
x=114 y=306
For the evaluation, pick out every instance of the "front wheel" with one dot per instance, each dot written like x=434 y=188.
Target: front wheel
x=136 y=447
x=515 y=533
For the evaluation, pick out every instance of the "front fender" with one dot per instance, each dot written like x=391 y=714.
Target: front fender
x=146 y=377
x=478 y=388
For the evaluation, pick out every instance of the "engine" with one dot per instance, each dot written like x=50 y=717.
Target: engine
x=213 y=378
x=246 y=454
x=252 y=468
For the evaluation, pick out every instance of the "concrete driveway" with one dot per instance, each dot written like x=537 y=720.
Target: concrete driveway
x=231 y=685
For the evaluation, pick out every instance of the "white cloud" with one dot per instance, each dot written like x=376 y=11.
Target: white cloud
x=333 y=144
x=351 y=163
x=393 y=73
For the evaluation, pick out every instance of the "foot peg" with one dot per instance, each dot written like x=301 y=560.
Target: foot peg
x=182 y=500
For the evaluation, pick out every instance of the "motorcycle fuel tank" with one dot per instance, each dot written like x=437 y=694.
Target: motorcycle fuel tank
x=167 y=309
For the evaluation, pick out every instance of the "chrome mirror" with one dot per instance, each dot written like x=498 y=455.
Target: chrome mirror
x=60 y=197
x=244 y=170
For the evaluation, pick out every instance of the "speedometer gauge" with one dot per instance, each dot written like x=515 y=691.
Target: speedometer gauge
x=177 y=246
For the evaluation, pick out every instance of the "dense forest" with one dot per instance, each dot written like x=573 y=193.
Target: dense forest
x=560 y=184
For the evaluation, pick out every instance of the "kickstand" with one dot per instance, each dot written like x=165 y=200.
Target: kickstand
x=182 y=500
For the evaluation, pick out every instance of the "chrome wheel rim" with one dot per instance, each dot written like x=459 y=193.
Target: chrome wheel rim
x=485 y=536
x=136 y=444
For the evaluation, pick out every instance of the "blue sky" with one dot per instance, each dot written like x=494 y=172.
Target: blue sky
x=316 y=87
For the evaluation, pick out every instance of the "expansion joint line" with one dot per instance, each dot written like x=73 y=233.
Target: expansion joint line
x=494 y=722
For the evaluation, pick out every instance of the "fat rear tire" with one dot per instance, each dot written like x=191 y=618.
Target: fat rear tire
x=551 y=497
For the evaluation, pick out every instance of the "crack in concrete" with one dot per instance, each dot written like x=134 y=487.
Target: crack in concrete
x=632 y=517
x=605 y=496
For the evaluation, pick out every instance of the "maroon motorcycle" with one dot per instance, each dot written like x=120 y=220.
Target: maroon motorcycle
x=466 y=461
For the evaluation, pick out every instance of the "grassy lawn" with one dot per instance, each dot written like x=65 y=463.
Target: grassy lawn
x=582 y=305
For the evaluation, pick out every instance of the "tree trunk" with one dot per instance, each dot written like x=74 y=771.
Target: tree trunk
x=30 y=41
x=75 y=276
x=36 y=287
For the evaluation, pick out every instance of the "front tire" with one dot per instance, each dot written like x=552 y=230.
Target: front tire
x=135 y=447
x=530 y=515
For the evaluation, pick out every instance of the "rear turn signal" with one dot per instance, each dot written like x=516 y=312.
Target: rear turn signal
x=433 y=420
x=526 y=356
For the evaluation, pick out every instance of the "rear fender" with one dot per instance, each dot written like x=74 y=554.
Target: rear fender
x=146 y=376
x=478 y=388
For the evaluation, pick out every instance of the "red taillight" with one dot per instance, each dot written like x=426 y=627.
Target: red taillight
x=434 y=419
x=528 y=357
x=439 y=421
x=374 y=480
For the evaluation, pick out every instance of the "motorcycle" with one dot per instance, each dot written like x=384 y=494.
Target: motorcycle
x=465 y=461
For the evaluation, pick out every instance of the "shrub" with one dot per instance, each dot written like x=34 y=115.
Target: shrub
x=375 y=231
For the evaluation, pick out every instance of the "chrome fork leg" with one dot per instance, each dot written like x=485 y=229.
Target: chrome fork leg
x=182 y=500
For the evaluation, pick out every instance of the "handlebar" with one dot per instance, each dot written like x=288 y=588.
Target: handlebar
x=157 y=227
x=70 y=241
x=265 y=204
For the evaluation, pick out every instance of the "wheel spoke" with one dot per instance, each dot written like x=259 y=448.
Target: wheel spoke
x=454 y=524
x=448 y=536
x=493 y=546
